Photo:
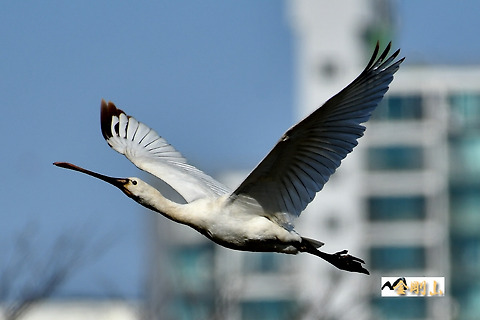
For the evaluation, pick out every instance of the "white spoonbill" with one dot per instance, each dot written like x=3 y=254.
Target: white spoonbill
x=259 y=214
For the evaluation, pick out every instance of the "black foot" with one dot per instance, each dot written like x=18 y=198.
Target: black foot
x=342 y=260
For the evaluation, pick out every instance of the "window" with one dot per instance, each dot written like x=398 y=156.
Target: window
x=391 y=258
x=467 y=295
x=395 y=107
x=465 y=109
x=464 y=208
x=401 y=308
x=190 y=308
x=465 y=155
x=465 y=253
x=262 y=262
x=396 y=208
x=193 y=267
x=269 y=310
x=395 y=158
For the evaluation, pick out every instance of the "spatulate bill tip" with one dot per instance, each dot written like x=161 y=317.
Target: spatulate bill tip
x=65 y=165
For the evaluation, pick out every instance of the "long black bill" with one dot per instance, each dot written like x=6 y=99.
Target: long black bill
x=117 y=182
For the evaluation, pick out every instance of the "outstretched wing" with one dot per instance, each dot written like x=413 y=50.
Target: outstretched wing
x=151 y=153
x=289 y=177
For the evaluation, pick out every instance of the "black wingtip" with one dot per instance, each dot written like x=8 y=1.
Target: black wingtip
x=374 y=56
x=385 y=52
x=375 y=61
x=107 y=111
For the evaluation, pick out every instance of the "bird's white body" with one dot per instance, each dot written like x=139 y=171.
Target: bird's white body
x=235 y=225
x=259 y=215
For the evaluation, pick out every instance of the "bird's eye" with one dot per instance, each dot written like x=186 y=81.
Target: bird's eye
x=134 y=182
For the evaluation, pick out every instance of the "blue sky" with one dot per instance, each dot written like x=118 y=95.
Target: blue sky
x=215 y=78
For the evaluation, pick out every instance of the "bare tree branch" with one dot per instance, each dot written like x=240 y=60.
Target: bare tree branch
x=31 y=275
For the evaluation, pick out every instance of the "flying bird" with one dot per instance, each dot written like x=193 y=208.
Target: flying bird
x=259 y=214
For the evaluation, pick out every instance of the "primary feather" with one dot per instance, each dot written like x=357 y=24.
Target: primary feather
x=300 y=164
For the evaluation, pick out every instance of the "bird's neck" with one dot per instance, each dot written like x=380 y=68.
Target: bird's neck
x=197 y=214
x=155 y=201
x=181 y=213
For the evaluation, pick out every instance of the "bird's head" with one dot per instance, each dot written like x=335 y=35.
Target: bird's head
x=132 y=187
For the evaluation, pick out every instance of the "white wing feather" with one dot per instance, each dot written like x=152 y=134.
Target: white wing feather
x=151 y=153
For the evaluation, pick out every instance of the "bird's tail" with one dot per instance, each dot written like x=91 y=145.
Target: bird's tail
x=315 y=243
